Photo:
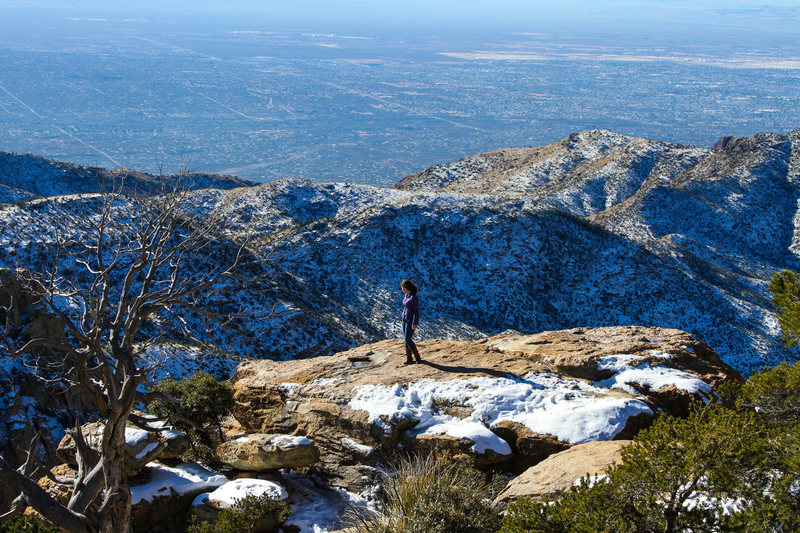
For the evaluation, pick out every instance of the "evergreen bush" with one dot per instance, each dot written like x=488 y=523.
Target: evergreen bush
x=588 y=507
x=430 y=495
x=204 y=402
x=27 y=524
x=774 y=394
x=712 y=471
x=248 y=514
x=785 y=289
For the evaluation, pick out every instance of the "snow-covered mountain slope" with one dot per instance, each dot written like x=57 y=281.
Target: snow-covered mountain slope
x=23 y=177
x=585 y=173
x=598 y=229
x=741 y=201
x=659 y=234
x=30 y=230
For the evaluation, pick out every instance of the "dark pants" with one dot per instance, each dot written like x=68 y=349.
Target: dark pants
x=411 y=348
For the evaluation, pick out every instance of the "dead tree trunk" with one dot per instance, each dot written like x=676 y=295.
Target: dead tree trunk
x=142 y=262
x=115 y=513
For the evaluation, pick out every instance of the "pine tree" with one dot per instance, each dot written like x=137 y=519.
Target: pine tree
x=785 y=289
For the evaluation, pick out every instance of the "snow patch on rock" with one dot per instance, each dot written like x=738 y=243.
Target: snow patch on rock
x=182 y=479
x=572 y=410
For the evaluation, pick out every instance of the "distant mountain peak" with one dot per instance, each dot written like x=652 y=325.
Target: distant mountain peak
x=608 y=166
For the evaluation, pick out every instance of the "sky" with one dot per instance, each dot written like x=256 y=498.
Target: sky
x=783 y=15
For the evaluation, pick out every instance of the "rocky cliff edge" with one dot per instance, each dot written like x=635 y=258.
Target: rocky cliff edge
x=509 y=400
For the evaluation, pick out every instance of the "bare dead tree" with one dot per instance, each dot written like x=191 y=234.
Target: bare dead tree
x=117 y=278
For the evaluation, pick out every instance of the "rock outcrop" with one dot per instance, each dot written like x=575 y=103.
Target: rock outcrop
x=508 y=399
x=141 y=446
x=559 y=472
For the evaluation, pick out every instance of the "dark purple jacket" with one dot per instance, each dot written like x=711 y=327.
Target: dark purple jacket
x=411 y=309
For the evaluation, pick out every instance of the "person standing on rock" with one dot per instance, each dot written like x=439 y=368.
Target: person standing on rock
x=410 y=319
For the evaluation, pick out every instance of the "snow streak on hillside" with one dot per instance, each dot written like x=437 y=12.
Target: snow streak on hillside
x=598 y=229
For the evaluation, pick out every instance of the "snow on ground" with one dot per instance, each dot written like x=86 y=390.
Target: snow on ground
x=572 y=410
x=147 y=450
x=316 y=509
x=134 y=436
x=167 y=431
x=582 y=419
x=363 y=449
x=482 y=436
x=184 y=478
x=727 y=506
x=647 y=375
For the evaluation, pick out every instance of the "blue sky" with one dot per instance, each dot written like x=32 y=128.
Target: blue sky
x=770 y=20
x=422 y=10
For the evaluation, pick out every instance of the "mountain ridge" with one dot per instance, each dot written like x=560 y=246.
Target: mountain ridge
x=598 y=229
x=25 y=177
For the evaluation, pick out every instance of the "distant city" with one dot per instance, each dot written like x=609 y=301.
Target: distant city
x=270 y=103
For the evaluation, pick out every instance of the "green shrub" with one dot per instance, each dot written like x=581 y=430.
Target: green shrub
x=588 y=507
x=785 y=289
x=204 y=402
x=681 y=473
x=774 y=503
x=707 y=472
x=775 y=394
x=251 y=513
x=729 y=392
x=27 y=524
x=430 y=495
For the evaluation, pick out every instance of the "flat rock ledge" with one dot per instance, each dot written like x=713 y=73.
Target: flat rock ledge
x=509 y=399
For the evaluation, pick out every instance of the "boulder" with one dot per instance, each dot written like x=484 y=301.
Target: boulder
x=142 y=446
x=206 y=507
x=162 y=496
x=528 y=447
x=513 y=399
x=260 y=452
x=60 y=486
x=456 y=448
x=176 y=443
x=559 y=472
x=67 y=450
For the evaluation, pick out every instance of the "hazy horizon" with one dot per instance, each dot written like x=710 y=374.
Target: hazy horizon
x=373 y=91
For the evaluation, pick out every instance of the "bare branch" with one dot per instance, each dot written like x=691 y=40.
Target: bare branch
x=39 y=499
x=139 y=262
x=153 y=396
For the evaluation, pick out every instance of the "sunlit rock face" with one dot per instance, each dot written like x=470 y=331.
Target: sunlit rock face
x=510 y=399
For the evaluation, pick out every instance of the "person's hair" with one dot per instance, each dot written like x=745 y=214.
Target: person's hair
x=410 y=286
